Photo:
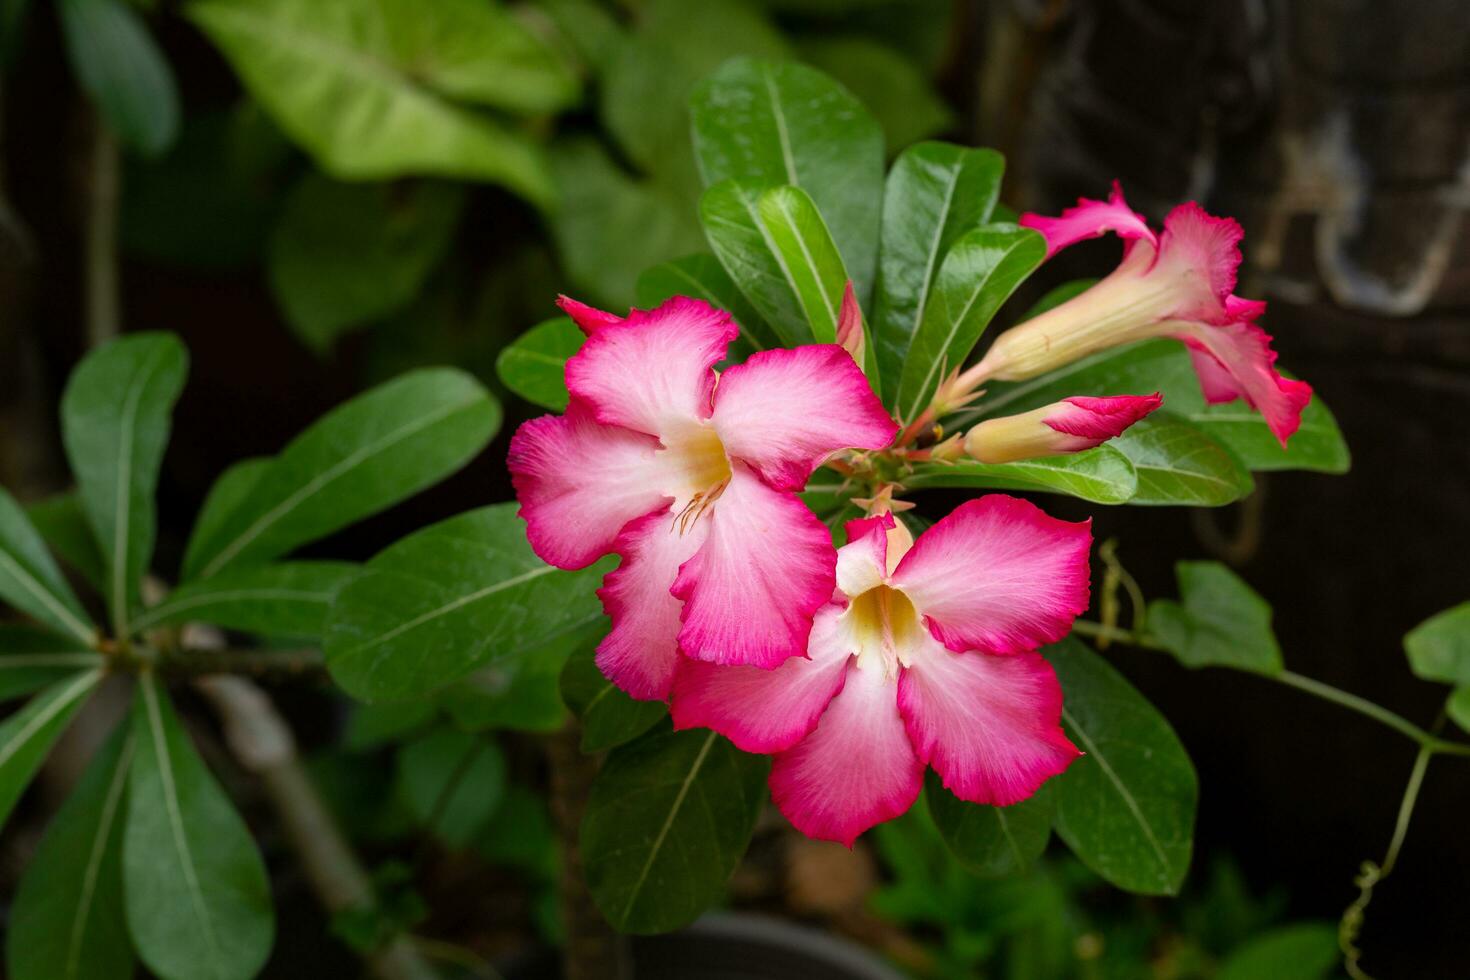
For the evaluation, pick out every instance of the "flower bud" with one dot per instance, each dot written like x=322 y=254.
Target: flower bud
x=1068 y=426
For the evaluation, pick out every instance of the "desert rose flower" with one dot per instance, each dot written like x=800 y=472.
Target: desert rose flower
x=925 y=656
x=1068 y=426
x=692 y=480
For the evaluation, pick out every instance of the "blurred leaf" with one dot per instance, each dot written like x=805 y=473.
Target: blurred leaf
x=30 y=580
x=520 y=835
x=121 y=68
x=67 y=922
x=534 y=364
x=992 y=841
x=1458 y=707
x=27 y=736
x=115 y=417
x=362 y=457
x=1127 y=806
x=31 y=659
x=790 y=124
x=668 y=820
x=1301 y=951
x=452 y=782
x=450 y=598
x=588 y=26
x=519 y=692
x=608 y=716
x=225 y=496
x=890 y=85
x=63 y=525
x=372 y=725
x=1219 y=622
x=703 y=277
x=1439 y=647
x=343 y=255
x=936 y=193
x=1102 y=475
x=1177 y=463
x=979 y=273
x=198 y=900
x=290 y=599
x=372 y=91
x=12 y=28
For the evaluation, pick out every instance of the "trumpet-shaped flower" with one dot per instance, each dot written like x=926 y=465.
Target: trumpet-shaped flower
x=1068 y=426
x=692 y=480
x=924 y=656
x=1176 y=284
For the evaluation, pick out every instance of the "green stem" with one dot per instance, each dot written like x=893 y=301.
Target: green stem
x=193 y=663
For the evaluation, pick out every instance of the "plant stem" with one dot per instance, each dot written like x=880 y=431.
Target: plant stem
x=196 y=662
x=1089 y=628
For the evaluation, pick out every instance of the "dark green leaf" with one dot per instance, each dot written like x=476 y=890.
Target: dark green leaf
x=63 y=525
x=1439 y=647
x=290 y=599
x=27 y=735
x=520 y=835
x=730 y=211
x=808 y=259
x=1177 y=463
x=669 y=818
x=372 y=725
x=115 y=418
x=1301 y=951
x=702 y=277
x=1102 y=475
x=229 y=491
x=1219 y=622
x=1127 y=806
x=890 y=85
x=118 y=64
x=534 y=364
x=607 y=715
x=198 y=900
x=520 y=692
x=31 y=659
x=30 y=580
x=992 y=841
x=452 y=783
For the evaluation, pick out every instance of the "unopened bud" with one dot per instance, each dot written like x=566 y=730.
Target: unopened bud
x=1068 y=426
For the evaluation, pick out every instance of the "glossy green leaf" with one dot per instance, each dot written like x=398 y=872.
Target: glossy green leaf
x=534 y=364
x=115 y=417
x=1102 y=475
x=1177 y=463
x=374 y=91
x=343 y=255
x=790 y=124
x=1458 y=707
x=30 y=580
x=290 y=599
x=198 y=900
x=122 y=69
x=668 y=820
x=1220 y=621
x=606 y=714
x=889 y=84
x=31 y=659
x=991 y=841
x=979 y=273
x=225 y=496
x=63 y=526
x=452 y=782
x=67 y=922
x=807 y=256
x=27 y=736
x=1439 y=647
x=451 y=598
x=703 y=277
x=360 y=458
x=1300 y=951
x=1126 y=807
x=936 y=193
x=730 y=212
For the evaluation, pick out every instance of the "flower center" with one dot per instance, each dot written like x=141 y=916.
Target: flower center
x=697 y=471
x=885 y=627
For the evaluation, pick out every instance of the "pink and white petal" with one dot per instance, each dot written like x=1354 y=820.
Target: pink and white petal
x=1236 y=361
x=1098 y=419
x=1090 y=219
x=989 y=725
x=785 y=411
x=766 y=567
x=641 y=650
x=766 y=710
x=862 y=563
x=653 y=371
x=589 y=318
x=998 y=575
x=579 y=482
x=856 y=769
x=1206 y=248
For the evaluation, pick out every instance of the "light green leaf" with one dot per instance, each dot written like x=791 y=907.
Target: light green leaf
x=360 y=458
x=67 y=922
x=120 y=66
x=27 y=736
x=890 y=85
x=290 y=599
x=448 y=599
x=1458 y=707
x=730 y=212
x=534 y=364
x=980 y=272
x=991 y=841
x=936 y=193
x=452 y=782
x=1177 y=463
x=343 y=255
x=1300 y=951
x=31 y=659
x=1439 y=647
x=30 y=580
x=198 y=900
x=63 y=525
x=225 y=496
x=115 y=417
x=1102 y=475
x=808 y=259
x=668 y=820
x=1126 y=806
x=1219 y=622
x=607 y=716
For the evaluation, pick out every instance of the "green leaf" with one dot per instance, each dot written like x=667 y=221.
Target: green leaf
x=198 y=900
x=30 y=580
x=1439 y=647
x=115 y=418
x=534 y=364
x=668 y=820
x=1177 y=463
x=452 y=783
x=730 y=212
x=226 y=495
x=790 y=124
x=448 y=599
x=1300 y=951
x=607 y=715
x=372 y=725
x=67 y=922
x=360 y=458
x=1220 y=621
x=890 y=85
x=991 y=841
x=343 y=255
x=1458 y=707
x=1127 y=806
x=27 y=735
x=290 y=599
x=373 y=91
x=520 y=692
x=809 y=259
x=31 y=659
x=1102 y=475
x=123 y=71
x=936 y=193
x=63 y=525
x=980 y=272
x=702 y=277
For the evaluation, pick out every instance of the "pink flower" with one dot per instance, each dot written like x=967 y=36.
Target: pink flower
x=1068 y=426
x=692 y=480
x=923 y=657
x=1177 y=284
